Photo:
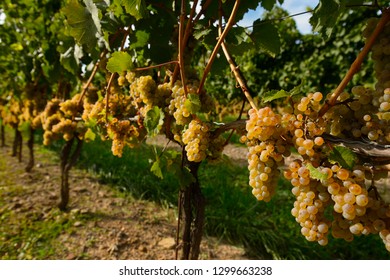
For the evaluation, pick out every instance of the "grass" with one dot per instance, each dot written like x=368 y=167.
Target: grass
x=28 y=235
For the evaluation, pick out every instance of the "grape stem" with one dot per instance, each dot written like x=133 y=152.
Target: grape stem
x=95 y=68
x=183 y=37
x=156 y=66
x=357 y=63
x=236 y=125
x=181 y=47
x=218 y=45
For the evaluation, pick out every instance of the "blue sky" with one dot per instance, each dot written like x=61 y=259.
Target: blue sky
x=293 y=7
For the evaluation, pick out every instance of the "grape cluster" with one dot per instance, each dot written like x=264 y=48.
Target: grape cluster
x=144 y=91
x=177 y=106
x=62 y=118
x=11 y=112
x=50 y=117
x=196 y=139
x=123 y=133
x=265 y=152
x=311 y=201
x=122 y=122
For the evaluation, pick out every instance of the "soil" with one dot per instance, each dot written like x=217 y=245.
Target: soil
x=105 y=224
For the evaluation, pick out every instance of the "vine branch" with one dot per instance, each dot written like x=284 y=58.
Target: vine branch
x=218 y=45
x=355 y=66
x=181 y=47
x=235 y=69
x=156 y=66
x=371 y=150
x=95 y=68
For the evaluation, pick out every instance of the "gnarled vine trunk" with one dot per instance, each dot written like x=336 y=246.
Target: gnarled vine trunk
x=2 y=131
x=68 y=160
x=17 y=145
x=30 y=146
x=192 y=204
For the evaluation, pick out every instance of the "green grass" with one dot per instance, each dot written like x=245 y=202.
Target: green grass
x=267 y=230
x=32 y=237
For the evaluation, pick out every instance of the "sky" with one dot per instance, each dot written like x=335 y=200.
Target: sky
x=293 y=7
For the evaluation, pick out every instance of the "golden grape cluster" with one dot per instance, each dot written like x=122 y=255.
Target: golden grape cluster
x=173 y=99
x=320 y=182
x=266 y=149
x=14 y=109
x=177 y=106
x=61 y=118
x=196 y=138
x=118 y=121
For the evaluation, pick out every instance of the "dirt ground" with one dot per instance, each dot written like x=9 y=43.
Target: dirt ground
x=104 y=223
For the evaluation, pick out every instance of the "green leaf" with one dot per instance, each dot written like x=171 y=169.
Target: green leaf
x=142 y=39
x=70 y=59
x=343 y=156
x=325 y=16
x=119 y=62
x=154 y=120
x=94 y=11
x=136 y=8
x=277 y=94
x=89 y=135
x=274 y=94
x=192 y=103
x=315 y=173
x=16 y=47
x=268 y=4
x=83 y=25
x=266 y=36
x=201 y=31
x=156 y=169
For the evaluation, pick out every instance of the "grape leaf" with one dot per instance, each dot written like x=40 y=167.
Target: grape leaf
x=277 y=94
x=70 y=59
x=154 y=120
x=89 y=135
x=16 y=47
x=315 y=173
x=94 y=11
x=343 y=156
x=192 y=103
x=268 y=4
x=274 y=94
x=136 y=8
x=201 y=31
x=141 y=40
x=83 y=25
x=266 y=36
x=119 y=62
x=325 y=16
x=156 y=169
